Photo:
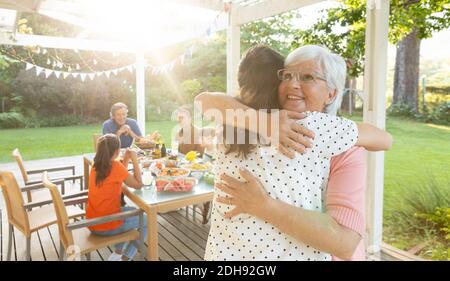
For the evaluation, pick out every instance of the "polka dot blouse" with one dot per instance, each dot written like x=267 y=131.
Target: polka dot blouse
x=300 y=182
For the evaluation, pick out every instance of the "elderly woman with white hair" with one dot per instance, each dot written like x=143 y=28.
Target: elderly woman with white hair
x=318 y=223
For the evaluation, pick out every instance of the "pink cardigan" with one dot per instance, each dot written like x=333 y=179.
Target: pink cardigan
x=345 y=196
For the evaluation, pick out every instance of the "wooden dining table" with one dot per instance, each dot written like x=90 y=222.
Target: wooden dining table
x=154 y=202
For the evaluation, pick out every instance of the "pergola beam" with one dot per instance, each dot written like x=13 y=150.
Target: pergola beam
x=20 y=5
x=270 y=8
x=207 y=4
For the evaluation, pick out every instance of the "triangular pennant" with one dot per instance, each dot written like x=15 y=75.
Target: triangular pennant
x=83 y=76
x=75 y=74
x=107 y=73
x=38 y=70
x=28 y=66
x=98 y=74
x=48 y=73
x=65 y=74
x=91 y=76
x=57 y=74
x=114 y=71
x=130 y=68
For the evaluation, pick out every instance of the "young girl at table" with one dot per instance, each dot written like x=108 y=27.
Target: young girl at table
x=105 y=183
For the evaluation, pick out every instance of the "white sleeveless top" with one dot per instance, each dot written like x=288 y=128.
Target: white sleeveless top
x=299 y=182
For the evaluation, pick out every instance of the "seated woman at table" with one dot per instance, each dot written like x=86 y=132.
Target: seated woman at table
x=105 y=189
x=119 y=124
x=188 y=135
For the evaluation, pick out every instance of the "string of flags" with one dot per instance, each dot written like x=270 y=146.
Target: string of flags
x=154 y=70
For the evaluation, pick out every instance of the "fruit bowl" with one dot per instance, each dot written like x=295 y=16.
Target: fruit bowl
x=175 y=185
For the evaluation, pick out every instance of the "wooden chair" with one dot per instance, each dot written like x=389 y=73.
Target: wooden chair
x=25 y=173
x=95 y=138
x=31 y=217
x=76 y=238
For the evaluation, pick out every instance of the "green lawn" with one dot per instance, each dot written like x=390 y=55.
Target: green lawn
x=63 y=141
x=420 y=150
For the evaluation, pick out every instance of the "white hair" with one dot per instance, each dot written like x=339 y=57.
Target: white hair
x=333 y=66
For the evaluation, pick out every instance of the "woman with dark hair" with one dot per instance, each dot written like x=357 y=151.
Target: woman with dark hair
x=294 y=181
x=105 y=190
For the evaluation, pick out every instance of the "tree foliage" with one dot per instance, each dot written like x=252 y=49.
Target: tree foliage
x=342 y=29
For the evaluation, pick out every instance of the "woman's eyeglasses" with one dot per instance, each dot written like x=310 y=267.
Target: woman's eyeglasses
x=303 y=77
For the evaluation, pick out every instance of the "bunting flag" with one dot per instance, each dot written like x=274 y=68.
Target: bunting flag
x=48 y=72
x=92 y=75
x=38 y=70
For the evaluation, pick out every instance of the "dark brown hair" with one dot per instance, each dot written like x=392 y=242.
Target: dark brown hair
x=107 y=145
x=258 y=83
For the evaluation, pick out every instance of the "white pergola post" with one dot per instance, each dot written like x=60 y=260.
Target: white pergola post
x=233 y=49
x=140 y=91
x=375 y=113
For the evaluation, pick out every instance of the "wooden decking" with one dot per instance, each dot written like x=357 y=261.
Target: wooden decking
x=180 y=239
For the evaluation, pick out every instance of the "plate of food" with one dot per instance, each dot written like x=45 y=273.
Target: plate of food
x=174 y=172
x=198 y=167
x=175 y=185
x=145 y=144
x=172 y=161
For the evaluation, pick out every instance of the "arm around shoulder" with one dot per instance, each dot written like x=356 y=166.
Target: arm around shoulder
x=373 y=138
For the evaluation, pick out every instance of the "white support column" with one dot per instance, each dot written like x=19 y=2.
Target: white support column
x=375 y=113
x=140 y=91
x=233 y=50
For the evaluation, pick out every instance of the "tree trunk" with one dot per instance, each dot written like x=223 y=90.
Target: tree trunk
x=406 y=77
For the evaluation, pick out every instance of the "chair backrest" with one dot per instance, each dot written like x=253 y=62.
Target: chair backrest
x=95 y=138
x=65 y=235
x=16 y=154
x=12 y=194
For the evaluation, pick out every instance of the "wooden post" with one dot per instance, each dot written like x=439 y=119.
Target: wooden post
x=140 y=91
x=233 y=49
x=375 y=113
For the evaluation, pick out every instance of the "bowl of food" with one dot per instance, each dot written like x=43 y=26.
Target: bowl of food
x=169 y=184
x=144 y=143
x=156 y=167
x=174 y=172
x=172 y=161
x=197 y=174
x=198 y=167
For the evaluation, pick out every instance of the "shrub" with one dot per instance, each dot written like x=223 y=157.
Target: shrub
x=434 y=112
x=11 y=120
x=412 y=216
x=401 y=110
x=440 y=221
x=440 y=114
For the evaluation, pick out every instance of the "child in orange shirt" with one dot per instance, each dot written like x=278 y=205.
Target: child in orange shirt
x=105 y=189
